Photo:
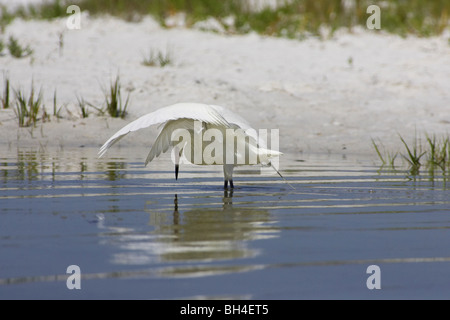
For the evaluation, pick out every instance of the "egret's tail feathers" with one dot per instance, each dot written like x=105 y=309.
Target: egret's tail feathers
x=266 y=155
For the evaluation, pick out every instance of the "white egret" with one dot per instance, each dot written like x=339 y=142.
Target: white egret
x=186 y=116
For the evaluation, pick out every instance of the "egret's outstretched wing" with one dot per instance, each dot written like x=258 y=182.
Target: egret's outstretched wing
x=231 y=117
x=194 y=111
x=237 y=122
x=164 y=139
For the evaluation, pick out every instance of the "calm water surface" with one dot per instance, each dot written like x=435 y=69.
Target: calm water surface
x=137 y=233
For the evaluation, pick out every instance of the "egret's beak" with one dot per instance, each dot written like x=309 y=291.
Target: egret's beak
x=177 y=161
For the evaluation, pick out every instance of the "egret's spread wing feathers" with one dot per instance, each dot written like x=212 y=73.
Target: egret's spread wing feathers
x=237 y=122
x=164 y=139
x=194 y=111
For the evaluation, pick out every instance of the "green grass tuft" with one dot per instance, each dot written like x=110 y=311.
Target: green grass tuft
x=16 y=50
x=414 y=155
x=157 y=59
x=2 y=47
x=292 y=18
x=5 y=18
x=436 y=151
x=388 y=159
x=27 y=110
x=114 y=105
x=438 y=155
x=56 y=110
x=5 y=98
x=82 y=105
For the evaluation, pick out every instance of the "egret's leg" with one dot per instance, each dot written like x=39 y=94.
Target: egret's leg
x=228 y=175
x=177 y=168
x=225 y=185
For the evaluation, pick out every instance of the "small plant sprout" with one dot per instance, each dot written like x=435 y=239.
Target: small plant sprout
x=6 y=17
x=413 y=157
x=439 y=153
x=2 y=47
x=82 y=104
x=56 y=110
x=5 y=96
x=157 y=59
x=27 y=109
x=350 y=61
x=388 y=159
x=16 y=50
x=114 y=105
x=61 y=43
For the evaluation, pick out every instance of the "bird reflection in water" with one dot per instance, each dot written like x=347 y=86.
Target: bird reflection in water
x=227 y=203
x=198 y=229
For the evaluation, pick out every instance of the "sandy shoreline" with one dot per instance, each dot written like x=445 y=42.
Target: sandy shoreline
x=328 y=96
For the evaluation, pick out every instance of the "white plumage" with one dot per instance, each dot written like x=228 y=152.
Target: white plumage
x=183 y=116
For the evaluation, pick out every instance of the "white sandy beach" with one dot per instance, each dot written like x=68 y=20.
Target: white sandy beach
x=328 y=96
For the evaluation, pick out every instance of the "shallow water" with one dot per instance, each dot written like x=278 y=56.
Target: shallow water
x=136 y=233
